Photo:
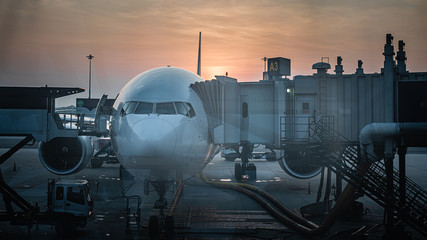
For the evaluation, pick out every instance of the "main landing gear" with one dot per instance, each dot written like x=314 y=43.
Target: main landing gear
x=246 y=168
x=157 y=223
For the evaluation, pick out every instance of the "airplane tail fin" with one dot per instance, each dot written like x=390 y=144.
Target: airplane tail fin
x=198 y=61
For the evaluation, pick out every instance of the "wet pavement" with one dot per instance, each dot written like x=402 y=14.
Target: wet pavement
x=203 y=212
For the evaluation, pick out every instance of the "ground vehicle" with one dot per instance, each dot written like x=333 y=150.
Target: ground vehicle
x=69 y=205
x=230 y=155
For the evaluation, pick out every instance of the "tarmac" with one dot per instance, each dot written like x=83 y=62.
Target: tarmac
x=203 y=211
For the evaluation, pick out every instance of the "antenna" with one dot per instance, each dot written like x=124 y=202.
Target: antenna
x=265 y=63
x=198 y=61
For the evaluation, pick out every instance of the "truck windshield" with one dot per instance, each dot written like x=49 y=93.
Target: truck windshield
x=76 y=195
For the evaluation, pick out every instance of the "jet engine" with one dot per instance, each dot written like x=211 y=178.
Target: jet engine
x=66 y=155
x=296 y=163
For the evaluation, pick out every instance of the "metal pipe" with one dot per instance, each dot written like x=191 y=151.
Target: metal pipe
x=378 y=132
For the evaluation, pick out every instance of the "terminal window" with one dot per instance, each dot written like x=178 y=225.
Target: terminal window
x=305 y=106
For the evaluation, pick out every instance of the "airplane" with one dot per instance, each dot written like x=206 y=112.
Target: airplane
x=159 y=128
x=159 y=132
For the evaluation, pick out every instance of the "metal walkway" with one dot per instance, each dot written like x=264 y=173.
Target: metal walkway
x=343 y=156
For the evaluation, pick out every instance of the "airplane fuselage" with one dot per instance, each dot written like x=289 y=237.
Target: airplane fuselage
x=159 y=124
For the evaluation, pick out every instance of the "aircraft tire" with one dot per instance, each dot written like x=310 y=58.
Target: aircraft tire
x=96 y=162
x=153 y=227
x=169 y=226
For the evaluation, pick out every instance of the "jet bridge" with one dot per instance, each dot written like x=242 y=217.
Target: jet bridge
x=244 y=112
x=319 y=120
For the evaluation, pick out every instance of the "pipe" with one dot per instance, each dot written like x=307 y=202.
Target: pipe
x=375 y=132
x=378 y=132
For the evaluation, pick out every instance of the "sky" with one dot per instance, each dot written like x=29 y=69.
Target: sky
x=46 y=42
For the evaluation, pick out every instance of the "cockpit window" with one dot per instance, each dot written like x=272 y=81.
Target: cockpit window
x=144 y=108
x=191 y=112
x=131 y=108
x=165 y=108
x=181 y=108
x=168 y=108
x=185 y=109
x=128 y=107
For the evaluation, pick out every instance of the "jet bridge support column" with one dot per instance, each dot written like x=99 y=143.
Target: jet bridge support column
x=402 y=175
x=388 y=160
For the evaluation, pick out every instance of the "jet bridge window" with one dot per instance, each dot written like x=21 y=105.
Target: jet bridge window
x=144 y=108
x=165 y=108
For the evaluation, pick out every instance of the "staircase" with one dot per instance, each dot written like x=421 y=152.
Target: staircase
x=343 y=156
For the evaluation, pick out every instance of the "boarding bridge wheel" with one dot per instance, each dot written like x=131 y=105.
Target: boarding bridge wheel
x=250 y=171
x=96 y=162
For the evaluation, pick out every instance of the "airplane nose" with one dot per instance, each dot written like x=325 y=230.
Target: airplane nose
x=153 y=138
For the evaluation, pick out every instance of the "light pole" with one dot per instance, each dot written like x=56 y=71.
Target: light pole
x=90 y=71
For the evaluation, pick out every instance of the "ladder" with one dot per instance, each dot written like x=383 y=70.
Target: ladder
x=343 y=156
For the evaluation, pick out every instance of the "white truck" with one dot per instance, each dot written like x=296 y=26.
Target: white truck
x=69 y=205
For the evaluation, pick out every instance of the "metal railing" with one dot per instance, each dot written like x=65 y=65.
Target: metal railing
x=411 y=206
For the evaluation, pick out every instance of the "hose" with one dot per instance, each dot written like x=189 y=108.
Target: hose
x=290 y=218
x=245 y=188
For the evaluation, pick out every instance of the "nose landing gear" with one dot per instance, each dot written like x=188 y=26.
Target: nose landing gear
x=158 y=223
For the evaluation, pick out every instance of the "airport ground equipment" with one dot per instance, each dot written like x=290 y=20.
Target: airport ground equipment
x=230 y=154
x=69 y=205
x=103 y=153
x=65 y=143
x=29 y=112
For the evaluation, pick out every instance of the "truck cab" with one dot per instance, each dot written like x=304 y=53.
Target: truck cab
x=71 y=201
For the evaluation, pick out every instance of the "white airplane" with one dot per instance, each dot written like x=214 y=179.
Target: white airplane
x=159 y=130
x=159 y=125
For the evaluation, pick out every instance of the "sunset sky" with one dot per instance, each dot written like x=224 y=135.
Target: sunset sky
x=46 y=42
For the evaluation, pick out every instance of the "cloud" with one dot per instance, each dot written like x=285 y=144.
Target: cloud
x=47 y=41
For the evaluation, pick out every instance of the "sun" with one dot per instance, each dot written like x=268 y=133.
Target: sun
x=212 y=71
